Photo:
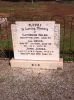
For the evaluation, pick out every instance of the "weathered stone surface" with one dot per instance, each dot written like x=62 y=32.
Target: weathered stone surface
x=33 y=64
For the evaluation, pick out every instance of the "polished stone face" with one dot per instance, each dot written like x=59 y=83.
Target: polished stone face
x=36 y=40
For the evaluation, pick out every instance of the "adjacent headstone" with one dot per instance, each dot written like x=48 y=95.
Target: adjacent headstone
x=36 y=44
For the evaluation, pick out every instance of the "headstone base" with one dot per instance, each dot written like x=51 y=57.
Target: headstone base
x=32 y=64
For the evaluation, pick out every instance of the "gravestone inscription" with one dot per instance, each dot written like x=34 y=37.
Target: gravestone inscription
x=36 y=40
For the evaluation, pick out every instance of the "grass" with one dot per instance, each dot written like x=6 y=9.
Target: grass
x=5 y=44
x=8 y=7
x=68 y=58
x=15 y=6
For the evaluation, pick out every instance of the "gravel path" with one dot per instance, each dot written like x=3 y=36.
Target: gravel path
x=29 y=84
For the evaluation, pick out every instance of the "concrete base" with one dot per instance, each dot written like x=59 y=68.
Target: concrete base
x=37 y=64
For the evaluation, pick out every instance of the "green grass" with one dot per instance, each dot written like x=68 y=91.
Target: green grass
x=68 y=58
x=8 y=7
x=5 y=44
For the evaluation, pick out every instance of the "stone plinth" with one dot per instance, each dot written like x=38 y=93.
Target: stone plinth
x=32 y=64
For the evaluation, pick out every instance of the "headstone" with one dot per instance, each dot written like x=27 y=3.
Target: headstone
x=36 y=44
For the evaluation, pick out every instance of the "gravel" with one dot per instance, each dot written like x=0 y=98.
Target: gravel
x=33 y=84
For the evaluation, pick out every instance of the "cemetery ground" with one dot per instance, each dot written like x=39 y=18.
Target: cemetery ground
x=33 y=84
x=27 y=84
